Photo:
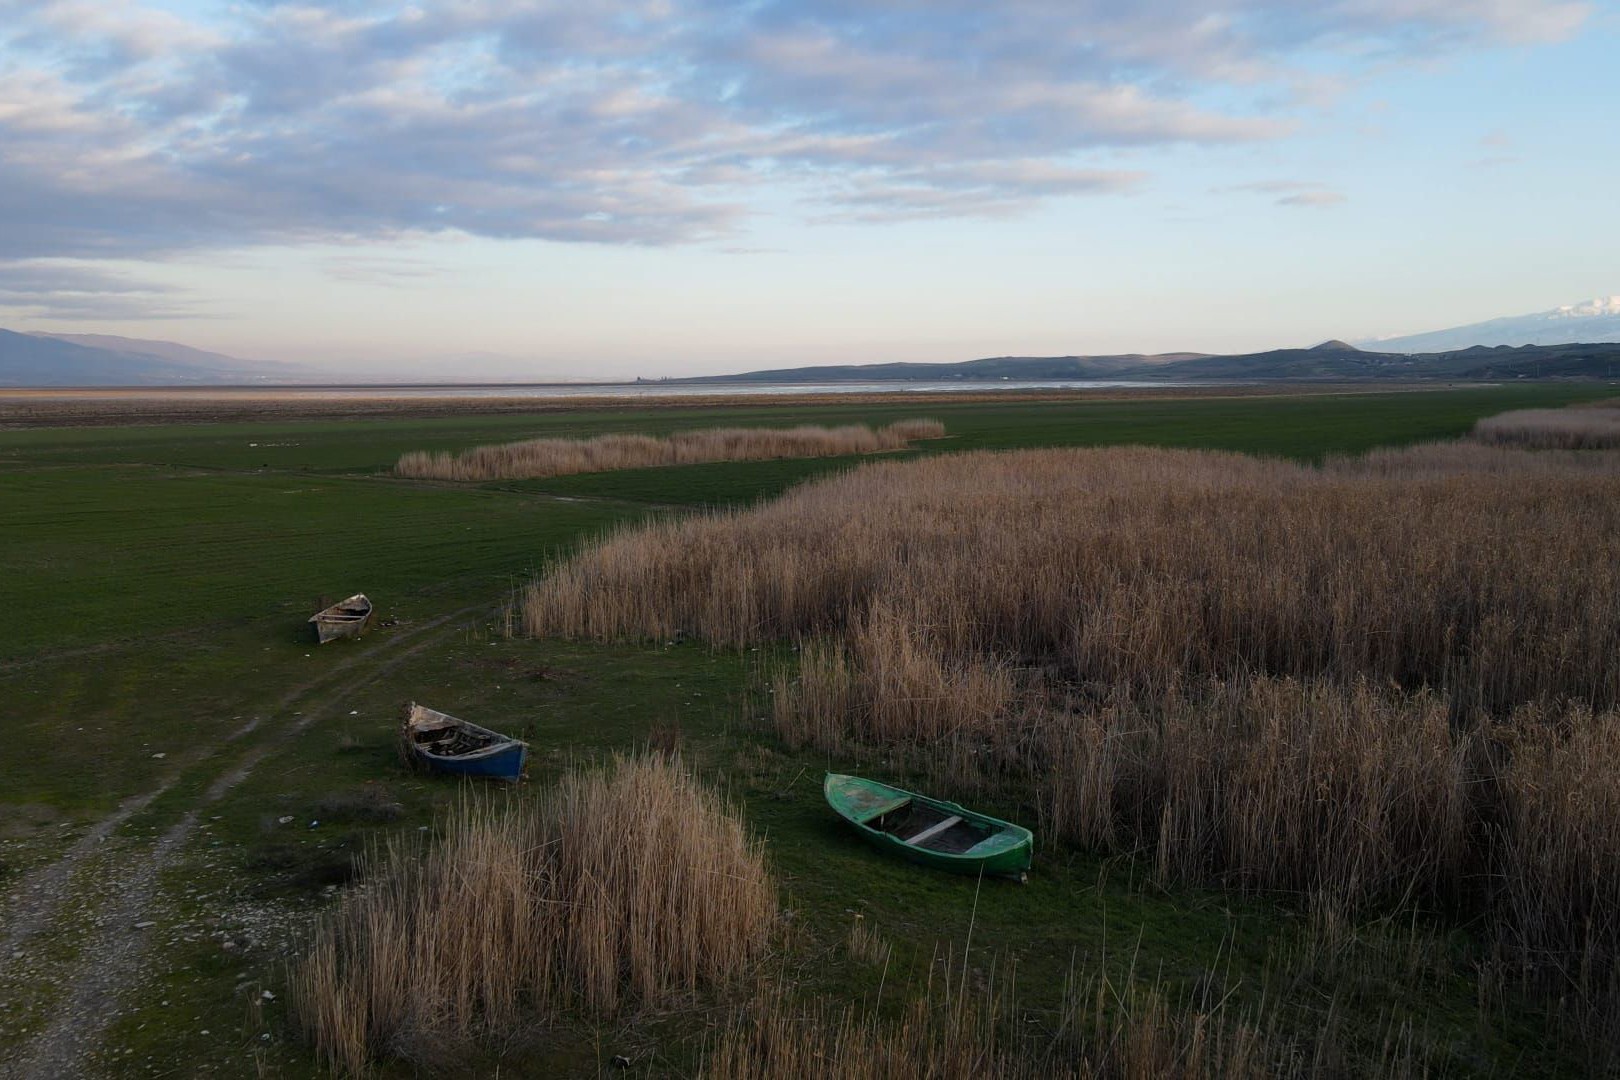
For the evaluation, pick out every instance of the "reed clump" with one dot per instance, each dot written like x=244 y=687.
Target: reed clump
x=1590 y=427
x=1100 y=1032
x=538 y=458
x=1129 y=566
x=1383 y=680
x=614 y=888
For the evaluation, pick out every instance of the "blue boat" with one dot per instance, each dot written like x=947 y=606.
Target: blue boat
x=442 y=743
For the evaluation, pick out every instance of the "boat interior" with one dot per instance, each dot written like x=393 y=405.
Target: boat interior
x=451 y=741
x=923 y=826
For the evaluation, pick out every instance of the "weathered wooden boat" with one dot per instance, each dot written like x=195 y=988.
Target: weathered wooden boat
x=344 y=619
x=444 y=743
x=930 y=831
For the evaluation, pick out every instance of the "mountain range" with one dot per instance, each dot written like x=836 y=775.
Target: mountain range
x=1577 y=340
x=1592 y=320
x=1331 y=360
x=105 y=360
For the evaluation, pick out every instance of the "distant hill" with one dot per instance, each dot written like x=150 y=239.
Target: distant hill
x=1584 y=323
x=997 y=367
x=166 y=350
x=1331 y=360
x=105 y=360
x=1336 y=360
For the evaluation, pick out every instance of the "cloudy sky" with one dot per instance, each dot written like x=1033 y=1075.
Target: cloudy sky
x=536 y=188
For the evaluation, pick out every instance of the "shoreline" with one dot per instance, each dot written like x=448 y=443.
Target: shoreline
x=43 y=407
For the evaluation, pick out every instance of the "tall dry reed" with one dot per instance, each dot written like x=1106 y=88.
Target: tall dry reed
x=618 y=887
x=1131 y=566
x=537 y=458
x=1101 y=1032
x=1263 y=674
x=1578 y=428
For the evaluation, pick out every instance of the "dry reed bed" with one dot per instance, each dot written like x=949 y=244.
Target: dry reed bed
x=537 y=458
x=1101 y=1031
x=1373 y=681
x=1590 y=427
x=622 y=887
x=1128 y=566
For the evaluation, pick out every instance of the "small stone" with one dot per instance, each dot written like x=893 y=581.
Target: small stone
x=228 y=945
x=285 y=819
x=268 y=996
x=145 y=925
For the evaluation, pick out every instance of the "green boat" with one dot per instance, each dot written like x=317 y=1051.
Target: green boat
x=930 y=831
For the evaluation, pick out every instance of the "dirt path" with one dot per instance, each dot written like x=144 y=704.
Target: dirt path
x=111 y=957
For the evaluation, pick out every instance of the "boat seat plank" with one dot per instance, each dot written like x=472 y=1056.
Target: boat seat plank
x=870 y=814
x=935 y=829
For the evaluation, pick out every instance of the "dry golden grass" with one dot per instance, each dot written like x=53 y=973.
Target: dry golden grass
x=1592 y=427
x=626 y=886
x=1265 y=675
x=1129 y=566
x=1101 y=1032
x=1559 y=852
x=536 y=458
x=1308 y=788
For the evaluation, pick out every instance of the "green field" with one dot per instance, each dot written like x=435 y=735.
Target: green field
x=156 y=581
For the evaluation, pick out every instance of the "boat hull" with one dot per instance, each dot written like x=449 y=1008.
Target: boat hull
x=500 y=757
x=346 y=619
x=507 y=764
x=331 y=631
x=1005 y=850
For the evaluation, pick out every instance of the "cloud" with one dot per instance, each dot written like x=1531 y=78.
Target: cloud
x=1312 y=198
x=58 y=289
x=1293 y=192
x=1520 y=22
x=133 y=129
x=380 y=270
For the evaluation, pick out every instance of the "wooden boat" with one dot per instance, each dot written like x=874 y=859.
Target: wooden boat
x=346 y=618
x=930 y=831
x=441 y=742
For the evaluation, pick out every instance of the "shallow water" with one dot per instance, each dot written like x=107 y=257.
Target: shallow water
x=660 y=389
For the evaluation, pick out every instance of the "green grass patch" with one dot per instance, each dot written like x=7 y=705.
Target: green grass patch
x=157 y=580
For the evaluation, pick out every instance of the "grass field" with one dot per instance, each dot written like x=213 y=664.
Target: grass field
x=167 y=712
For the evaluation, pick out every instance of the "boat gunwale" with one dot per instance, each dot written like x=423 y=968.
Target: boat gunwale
x=503 y=742
x=331 y=612
x=1022 y=836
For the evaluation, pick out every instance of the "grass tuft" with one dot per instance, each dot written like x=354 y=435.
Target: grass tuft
x=631 y=885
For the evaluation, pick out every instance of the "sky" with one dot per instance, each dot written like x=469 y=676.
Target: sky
x=537 y=189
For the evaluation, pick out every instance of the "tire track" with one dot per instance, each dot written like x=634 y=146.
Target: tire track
x=43 y=890
x=111 y=958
